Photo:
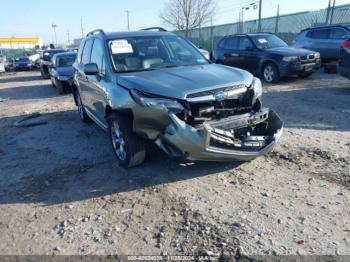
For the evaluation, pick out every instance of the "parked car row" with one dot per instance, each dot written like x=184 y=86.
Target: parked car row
x=266 y=55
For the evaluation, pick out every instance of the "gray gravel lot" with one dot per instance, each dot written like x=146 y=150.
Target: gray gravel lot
x=61 y=191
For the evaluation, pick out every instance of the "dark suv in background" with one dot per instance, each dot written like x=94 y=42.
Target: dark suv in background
x=265 y=54
x=324 y=39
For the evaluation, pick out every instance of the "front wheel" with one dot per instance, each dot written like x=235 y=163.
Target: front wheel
x=60 y=87
x=271 y=73
x=129 y=148
x=82 y=112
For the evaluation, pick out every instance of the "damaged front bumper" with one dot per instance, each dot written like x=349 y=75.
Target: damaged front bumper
x=240 y=137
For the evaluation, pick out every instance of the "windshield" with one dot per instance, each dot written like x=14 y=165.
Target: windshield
x=268 y=41
x=65 y=61
x=22 y=59
x=133 y=54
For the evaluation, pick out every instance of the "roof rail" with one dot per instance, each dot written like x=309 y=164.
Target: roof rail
x=325 y=26
x=99 y=31
x=161 y=29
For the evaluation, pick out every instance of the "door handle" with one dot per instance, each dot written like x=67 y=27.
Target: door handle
x=234 y=54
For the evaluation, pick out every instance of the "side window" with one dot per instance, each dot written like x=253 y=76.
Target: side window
x=97 y=54
x=231 y=43
x=338 y=33
x=245 y=44
x=319 y=34
x=222 y=43
x=80 y=51
x=85 y=59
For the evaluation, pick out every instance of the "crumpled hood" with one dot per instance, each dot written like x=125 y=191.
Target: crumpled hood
x=178 y=81
x=65 y=71
x=290 y=51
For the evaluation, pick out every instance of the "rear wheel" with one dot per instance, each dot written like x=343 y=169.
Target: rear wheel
x=82 y=112
x=60 y=87
x=129 y=148
x=271 y=73
x=305 y=74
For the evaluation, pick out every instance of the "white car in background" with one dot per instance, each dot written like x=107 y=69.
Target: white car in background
x=2 y=63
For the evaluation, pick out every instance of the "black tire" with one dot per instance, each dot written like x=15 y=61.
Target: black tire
x=330 y=69
x=52 y=82
x=129 y=148
x=81 y=110
x=270 y=73
x=305 y=74
x=60 y=87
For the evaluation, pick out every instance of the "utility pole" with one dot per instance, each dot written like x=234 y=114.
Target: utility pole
x=242 y=21
x=68 y=38
x=277 y=18
x=54 y=31
x=81 y=28
x=127 y=17
x=211 y=34
x=328 y=10
x=331 y=22
x=260 y=7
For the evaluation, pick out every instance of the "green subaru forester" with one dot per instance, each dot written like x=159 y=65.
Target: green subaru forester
x=154 y=86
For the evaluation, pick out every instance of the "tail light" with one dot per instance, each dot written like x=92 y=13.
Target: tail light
x=346 y=43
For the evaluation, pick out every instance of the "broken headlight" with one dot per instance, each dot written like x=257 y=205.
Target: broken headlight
x=257 y=87
x=147 y=101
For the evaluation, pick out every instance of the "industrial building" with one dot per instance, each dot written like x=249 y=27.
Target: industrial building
x=20 y=42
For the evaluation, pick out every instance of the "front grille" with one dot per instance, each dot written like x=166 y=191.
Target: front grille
x=307 y=59
x=214 y=91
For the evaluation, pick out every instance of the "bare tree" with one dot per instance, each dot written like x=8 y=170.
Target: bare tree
x=187 y=14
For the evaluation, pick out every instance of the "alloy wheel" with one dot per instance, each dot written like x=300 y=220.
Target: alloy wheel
x=118 y=141
x=269 y=73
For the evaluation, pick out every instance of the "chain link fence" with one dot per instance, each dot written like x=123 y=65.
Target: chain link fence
x=285 y=26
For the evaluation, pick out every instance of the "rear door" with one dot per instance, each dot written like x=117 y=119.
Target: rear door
x=231 y=52
x=248 y=58
x=318 y=40
x=336 y=37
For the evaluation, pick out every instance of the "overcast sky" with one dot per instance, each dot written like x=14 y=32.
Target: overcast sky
x=34 y=17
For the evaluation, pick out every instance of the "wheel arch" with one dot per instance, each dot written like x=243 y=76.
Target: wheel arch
x=265 y=62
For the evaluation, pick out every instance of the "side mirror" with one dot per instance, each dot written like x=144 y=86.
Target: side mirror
x=91 y=69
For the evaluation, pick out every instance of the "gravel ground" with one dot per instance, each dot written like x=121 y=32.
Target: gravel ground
x=61 y=191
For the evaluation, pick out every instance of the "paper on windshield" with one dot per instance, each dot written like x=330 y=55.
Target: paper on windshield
x=262 y=41
x=121 y=47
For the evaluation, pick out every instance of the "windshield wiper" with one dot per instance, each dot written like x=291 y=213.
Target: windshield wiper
x=135 y=71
